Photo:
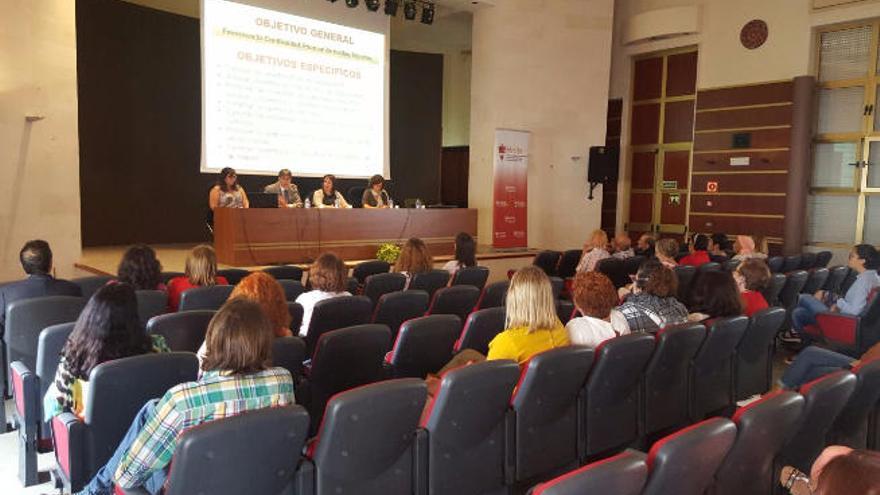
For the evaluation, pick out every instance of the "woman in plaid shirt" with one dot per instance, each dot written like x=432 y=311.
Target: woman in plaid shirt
x=237 y=378
x=652 y=304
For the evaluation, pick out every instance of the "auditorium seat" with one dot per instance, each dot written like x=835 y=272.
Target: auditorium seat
x=754 y=354
x=851 y=426
x=825 y=398
x=823 y=258
x=204 y=462
x=233 y=275
x=611 y=395
x=285 y=272
x=493 y=295
x=730 y=265
x=151 y=303
x=292 y=288
x=849 y=334
x=29 y=386
x=397 y=307
x=167 y=276
x=773 y=289
x=462 y=445
x=622 y=474
x=633 y=263
x=547 y=261
x=762 y=429
x=429 y=282
x=424 y=345
x=204 y=298
x=557 y=285
x=296 y=316
x=458 y=300
x=365 y=443
x=565 y=310
x=615 y=270
x=776 y=263
x=808 y=261
x=712 y=266
x=848 y=281
x=685 y=462
x=289 y=353
x=117 y=391
x=475 y=276
x=90 y=285
x=815 y=280
x=343 y=359
x=836 y=276
x=183 y=331
x=545 y=413
x=380 y=284
x=685 y=274
x=352 y=286
x=712 y=371
x=364 y=269
x=480 y=328
x=665 y=385
x=788 y=297
x=791 y=263
x=568 y=263
x=335 y=313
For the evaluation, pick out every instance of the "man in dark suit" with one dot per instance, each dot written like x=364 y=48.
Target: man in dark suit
x=36 y=260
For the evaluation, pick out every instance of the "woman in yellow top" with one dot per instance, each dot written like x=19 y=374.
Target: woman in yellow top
x=532 y=325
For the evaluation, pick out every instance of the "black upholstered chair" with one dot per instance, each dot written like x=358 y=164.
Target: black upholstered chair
x=547 y=261
x=762 y=429
x=825 y=399
x=622 y=474
x=848 y=281
x=712 y=383
x=285 y=272
x=380 y=284
x=205 y=297
x=365 y=445
x=556 y=285
x=117 y=391
x=808 y=261
x=458 y=300
x=568 y=263
x=493 y=295
x=90 y=285
x=665 y=384
x=364 y=269
x=712 y=266
x=289 y=353
x=429 y=282
x=823 y=258
x=754 y=354
x=545 y=413
x=292 y=288
x=730 y=265
x=632 y=264
x=335 y=313
x=851 y=426
x=296 y=315
x=791 y=263
x=424 y=345
x=815 y=280
x=463 y=444
x=167 y=276
x=685 y=274
x=565 y=310
x=343 y=359
x=233 y=275
x=480 y=328
x=29 y=386
x=615 y=270
x=475 y=276
x=183 y=331
x=611 y=395
x=397 y=307
x=776 y=263
x=773 y=289
x=836 y=276
x=352 y=286
x=151 y=303
x=791 y=291
x=685 y=462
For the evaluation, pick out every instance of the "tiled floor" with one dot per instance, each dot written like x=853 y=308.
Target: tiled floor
x=9 y=483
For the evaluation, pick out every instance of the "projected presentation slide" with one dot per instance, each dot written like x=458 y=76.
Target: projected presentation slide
x=282 y=91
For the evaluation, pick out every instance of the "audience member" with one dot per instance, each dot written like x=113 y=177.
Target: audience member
x=531 y=325
x=667 y=250
x=719 y=245
x=36 y=261
x=288 y=193
x=594 y=296
x=227 y=193
x=815 y=362
x=236 y=378
x=414 y=259
x=623 y=246
x=752 y=275
x=375 y=195
x=327 y=278
x=714 y=295
x=595 y=250
x=107 y=329
x=465 y=253
x=200 y=271
x=698 y=252
x=745 y=248
x=140 y=268
x=652 y=304
x=839 y=470
x=864 y=260
x=328 y=196
x=645 y=245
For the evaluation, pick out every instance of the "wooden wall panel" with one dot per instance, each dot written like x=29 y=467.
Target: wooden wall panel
x=741 y=183
x=748 y=117
x=713 y=203
x=760 y=94
x=676 y=166
x=648 y=79
x=681 y=73
x=678 y=126
x=770 y=227
x=764 y=138
x=643 y=170
x=645 y=124
x=673 y=213
x=641 y=207
x=758 y=160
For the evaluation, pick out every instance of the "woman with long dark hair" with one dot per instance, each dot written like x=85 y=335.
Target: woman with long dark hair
x=140 y=268
x=328 y=196
x=465 y=253
x=107 y=329
x=715 y=295
x=227 y=193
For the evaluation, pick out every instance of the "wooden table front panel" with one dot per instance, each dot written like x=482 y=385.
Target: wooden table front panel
x=257 y=236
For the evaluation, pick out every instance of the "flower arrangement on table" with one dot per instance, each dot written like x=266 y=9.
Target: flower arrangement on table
x=388 y=253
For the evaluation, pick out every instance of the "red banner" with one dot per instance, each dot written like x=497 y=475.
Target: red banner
x=510 y=205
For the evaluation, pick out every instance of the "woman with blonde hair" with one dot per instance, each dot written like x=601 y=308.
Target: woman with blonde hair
x=200 y=271
x=595 y=250
x=531 y=324
x=666 y=251
x=414 y=259
x=327 y=277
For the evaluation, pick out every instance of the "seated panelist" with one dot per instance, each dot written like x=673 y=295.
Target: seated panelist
x=328 y=196
x=288 y=193
x=227 y=193
x=376 y=196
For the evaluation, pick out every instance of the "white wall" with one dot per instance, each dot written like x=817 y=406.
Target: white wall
x=542 y=67
x=39 y=161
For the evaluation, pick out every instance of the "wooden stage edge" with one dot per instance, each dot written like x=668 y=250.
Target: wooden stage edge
x=104 y=260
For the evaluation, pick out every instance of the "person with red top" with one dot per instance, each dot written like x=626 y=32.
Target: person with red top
x=751 y=276
x=201 y=271
x=714 y=296
x=699 y=252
